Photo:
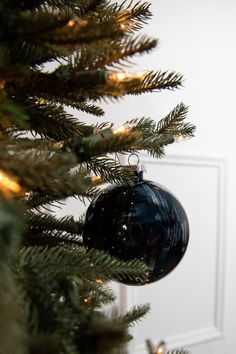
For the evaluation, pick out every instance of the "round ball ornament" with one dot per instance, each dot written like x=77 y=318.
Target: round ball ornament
x=144 y=222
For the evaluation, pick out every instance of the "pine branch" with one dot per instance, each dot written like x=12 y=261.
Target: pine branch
x=111 y=53
x=134 y=17
x=83 y=31
x=42 y=221
x=36 y=168
x=154 y=81
x=109 y=170
x=156 y=135
x=80 y=7
x=35 y=237
x=44 y=228
x=35 y=54
x=51 y=121
x=31 y=26
x=134 y=315
x=88 y=108
x=60 y=262
x=97 y=294
x=173 y=122
x=150 y=347
x=96 y=145
x=79 y=104
x=11 y=113
x=13 y=319
x=76 y=185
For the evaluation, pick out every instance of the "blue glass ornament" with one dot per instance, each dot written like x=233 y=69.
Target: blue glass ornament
x=144 y=222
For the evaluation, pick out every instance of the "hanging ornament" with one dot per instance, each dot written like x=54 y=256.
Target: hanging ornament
x=144 y=222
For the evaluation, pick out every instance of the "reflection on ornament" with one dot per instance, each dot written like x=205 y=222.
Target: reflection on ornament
x=120 y=76
x=144 y=222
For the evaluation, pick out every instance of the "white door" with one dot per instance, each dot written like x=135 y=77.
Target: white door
x=194 y=306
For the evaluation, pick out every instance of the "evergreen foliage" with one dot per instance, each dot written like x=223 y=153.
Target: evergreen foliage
x=51 y=289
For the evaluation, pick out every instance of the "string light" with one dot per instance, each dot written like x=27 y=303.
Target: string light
x=2 y=84
x=40 y=101
x=178 y=137
x=124 y=26
x=8 y=185
x=161 y=348
x=59 y=144
x=99 y=281
x=71 y=23
x=124 y=129
x=122 y=76
x=96 y=179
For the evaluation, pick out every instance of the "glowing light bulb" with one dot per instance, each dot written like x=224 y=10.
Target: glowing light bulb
x=70 y=23
x=58 y=144
x=161 y=348
x=123 y=76
x=40 y=101
x=2 y=84
x=123 y=26
x=123 y=130
x=7 y=184
x=178 y=137
x=96 y=179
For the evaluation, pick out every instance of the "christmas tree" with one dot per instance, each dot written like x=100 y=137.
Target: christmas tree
x=52 y=289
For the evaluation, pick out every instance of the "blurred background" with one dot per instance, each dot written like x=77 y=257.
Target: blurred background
x=194 y=306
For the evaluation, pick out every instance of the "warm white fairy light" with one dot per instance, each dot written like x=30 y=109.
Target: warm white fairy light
x=59 y=144
x=123 y=76
x=96 y=179
x=40 y=101
x=71 y=23
x=8 y=184
x=178 y=137
x=161 y=348
x=123 y=130
x=2 y=84
x=76 y=22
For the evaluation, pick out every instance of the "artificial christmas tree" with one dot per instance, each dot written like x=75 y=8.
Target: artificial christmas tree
x=52 y=290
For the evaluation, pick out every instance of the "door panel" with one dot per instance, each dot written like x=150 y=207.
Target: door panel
x=187 y=305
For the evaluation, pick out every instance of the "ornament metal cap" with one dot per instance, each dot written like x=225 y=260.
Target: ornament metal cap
x=137 y=168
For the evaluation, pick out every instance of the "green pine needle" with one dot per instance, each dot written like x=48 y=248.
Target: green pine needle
x=134 y=315
x=59 y=262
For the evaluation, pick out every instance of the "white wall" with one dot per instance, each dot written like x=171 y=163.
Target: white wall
x=195 y=305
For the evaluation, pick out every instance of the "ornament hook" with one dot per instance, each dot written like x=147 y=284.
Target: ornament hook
x=136 y=155
x=139 y=169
